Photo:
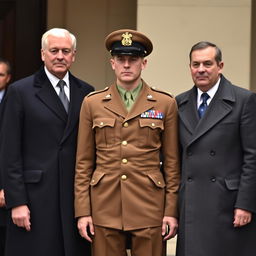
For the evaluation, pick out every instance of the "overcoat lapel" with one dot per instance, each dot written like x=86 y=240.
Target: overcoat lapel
x=48 y=96
x=76 y=98
x=220 y=107
x=188 y=111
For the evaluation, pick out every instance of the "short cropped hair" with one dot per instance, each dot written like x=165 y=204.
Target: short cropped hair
x=204 y=44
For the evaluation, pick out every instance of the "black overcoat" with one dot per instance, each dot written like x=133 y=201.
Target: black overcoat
x=2 y=209
x=218 y=173
x=39 y=149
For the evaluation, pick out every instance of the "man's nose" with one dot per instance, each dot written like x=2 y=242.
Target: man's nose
x=60 y=54
x=126 y=63
x=201 y=68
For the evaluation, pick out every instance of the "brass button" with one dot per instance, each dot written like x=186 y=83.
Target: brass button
x=125 y=124
x=153 y=124
x=124 y=143
x=159 y=183
x=123 y=177
x=93 y=181
x=101 y=123
x=124 y=161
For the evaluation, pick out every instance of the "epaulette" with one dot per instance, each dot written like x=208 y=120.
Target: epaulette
x=157 y=90
x=96 y=92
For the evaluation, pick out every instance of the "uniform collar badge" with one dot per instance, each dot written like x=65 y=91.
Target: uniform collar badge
x=154 y=114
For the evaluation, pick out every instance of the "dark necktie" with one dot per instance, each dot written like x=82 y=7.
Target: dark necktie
x=62 y=95
x=203 y=106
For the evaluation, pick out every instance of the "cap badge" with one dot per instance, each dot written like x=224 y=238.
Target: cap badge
x=127 y=39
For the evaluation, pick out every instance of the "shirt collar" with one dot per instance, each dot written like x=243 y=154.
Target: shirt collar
x=54 y=80
x=211 y=92
x=135 y=92
x=2 y=94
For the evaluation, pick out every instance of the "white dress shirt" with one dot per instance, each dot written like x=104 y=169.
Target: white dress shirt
x=210 y=92
x=54 y=81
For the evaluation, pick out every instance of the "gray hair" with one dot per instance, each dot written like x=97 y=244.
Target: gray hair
x=58 y=32
x=205 y=44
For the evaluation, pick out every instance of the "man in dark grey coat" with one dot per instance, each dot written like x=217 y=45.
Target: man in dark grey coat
x=38 y=151
x=218 y=147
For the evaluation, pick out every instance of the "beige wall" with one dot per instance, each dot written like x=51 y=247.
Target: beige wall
x=175 y=25
x=91 y=21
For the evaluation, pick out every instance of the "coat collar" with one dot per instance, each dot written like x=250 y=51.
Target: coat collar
x=220 y=106
x=145 y=101
x=48 y=96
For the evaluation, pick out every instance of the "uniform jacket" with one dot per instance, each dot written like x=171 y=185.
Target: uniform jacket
x=39 y=148
x=218 y=172
x=118 y=178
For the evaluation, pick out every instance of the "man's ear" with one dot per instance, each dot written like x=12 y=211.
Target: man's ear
x=112 y=63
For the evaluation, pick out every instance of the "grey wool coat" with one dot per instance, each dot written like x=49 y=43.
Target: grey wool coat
x=218 y=173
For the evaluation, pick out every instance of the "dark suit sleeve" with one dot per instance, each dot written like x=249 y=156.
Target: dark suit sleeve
x=2 y=107
x=15 y=192
x=246 y=198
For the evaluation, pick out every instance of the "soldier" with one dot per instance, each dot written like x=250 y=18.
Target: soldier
x=120 y=191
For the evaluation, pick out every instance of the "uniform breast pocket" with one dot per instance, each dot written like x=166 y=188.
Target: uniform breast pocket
x=104 y=129
x=150 y=132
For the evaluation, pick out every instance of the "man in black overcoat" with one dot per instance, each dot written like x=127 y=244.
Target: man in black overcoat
x=39 y=147
x=218 y=144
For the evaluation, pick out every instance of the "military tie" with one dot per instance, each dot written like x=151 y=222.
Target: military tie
x=203 y=106
x=128 y=100
x=62 y=95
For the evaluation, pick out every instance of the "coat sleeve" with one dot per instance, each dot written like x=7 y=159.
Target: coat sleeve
x=85 y=161
x=171 y=168
x=246 y=198
x=11 y=150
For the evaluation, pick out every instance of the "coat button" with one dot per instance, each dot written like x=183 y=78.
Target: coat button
x=213 y=179
x=124 y=161
x=153 y=124
x=189 y=179
x=124 y=177
x=212 y=153
x=159 y=182
x=125 y=124
x=189 y=153
x=124 y=143
x=101 y=123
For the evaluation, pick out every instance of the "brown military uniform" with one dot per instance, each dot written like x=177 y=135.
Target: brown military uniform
x=118 y=178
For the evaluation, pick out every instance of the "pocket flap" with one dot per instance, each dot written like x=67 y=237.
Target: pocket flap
x=32 y=176
x=96 y=177
x=152 y=123
x=157 y=178
x=103 y=122
x=232 y=184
